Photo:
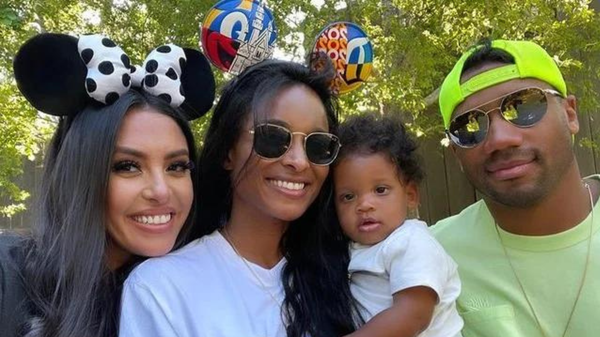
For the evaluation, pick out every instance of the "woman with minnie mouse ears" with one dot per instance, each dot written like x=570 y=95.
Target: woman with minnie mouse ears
x=117 y=185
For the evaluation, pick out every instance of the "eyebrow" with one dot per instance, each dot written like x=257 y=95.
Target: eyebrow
x=277 y=122
x=140 y=154
x=287 y=126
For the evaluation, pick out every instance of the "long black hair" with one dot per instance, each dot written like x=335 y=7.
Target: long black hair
x=71 y=289
x=317 y=295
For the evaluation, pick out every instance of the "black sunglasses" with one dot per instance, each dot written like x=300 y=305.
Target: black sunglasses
x=522 y=108
x=272 y=141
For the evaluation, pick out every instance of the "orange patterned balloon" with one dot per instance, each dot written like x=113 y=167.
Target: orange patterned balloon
x=351 y=51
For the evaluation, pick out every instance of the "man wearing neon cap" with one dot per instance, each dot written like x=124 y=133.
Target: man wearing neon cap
x=529 y=252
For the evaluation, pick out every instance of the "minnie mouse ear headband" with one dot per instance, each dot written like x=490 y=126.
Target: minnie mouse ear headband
x=60 y=74
x=237 y=34
x=351 y=52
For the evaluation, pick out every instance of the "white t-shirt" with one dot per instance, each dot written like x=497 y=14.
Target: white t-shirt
x=409 y=257
x=202 y=290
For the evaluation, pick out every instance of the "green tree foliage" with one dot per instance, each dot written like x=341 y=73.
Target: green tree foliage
x=416 y=43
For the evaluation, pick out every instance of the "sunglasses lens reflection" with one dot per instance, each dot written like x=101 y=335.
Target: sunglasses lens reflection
x=523 y=108
x=470 y=128
x=271 y=141
x=321 y=148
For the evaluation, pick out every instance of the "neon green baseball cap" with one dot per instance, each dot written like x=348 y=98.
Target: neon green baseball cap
x=531 y=61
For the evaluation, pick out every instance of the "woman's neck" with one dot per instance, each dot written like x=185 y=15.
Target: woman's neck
x=257 y=240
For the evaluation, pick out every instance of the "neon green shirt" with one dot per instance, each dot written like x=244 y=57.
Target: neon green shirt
x=549 y=267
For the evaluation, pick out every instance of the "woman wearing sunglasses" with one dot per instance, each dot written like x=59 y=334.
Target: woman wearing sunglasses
x=267 y=263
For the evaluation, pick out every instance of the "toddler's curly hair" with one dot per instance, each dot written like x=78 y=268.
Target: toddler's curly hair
x=367 y=134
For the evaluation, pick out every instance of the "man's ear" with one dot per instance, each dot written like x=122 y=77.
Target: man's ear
x=570 y=106
x=453 y=148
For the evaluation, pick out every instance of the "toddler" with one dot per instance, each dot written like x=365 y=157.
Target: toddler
x=402 y=279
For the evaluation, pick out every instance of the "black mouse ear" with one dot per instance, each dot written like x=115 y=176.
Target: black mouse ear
x=60 y=74
x=51 y=74
x=197 y=84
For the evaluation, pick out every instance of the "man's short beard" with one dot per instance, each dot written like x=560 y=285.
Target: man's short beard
x=543 y=185
x=518 y=199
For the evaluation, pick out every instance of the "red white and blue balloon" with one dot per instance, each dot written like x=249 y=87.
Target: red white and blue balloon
x=236 y=34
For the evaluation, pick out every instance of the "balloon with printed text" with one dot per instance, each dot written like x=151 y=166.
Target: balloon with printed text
x=236 y=34
x=351 y=52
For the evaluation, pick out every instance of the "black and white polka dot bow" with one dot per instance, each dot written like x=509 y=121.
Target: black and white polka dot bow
x=110 y=73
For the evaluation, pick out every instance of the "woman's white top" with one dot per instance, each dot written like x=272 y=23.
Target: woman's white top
x=203 y=290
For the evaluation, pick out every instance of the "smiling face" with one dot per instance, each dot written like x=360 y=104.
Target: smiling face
x=149 y=189
x=266 y=190
x=370 y=200
x=516 y=166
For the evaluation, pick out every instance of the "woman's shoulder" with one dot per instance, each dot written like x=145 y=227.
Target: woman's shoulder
x=13 y=297
x=11 y=250
x=8 y=238
x=12 y=259
x=189 y=262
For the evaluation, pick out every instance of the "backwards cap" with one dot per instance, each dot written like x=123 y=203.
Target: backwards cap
x=531 y=61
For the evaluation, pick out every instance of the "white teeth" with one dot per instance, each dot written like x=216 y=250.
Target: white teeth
x=288 y=185
x=153 y=219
